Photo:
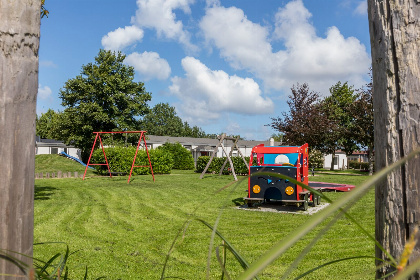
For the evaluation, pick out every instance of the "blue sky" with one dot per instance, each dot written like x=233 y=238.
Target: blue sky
x=226 y=66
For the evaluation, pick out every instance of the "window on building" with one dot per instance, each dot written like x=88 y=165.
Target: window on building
x=54 y=151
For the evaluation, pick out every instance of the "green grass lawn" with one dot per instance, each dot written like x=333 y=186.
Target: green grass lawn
x=54 y=163
x=124 y=231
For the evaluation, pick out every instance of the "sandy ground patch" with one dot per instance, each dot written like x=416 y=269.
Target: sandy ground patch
x=283 y=209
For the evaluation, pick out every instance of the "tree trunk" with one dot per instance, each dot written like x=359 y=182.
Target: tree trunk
x=395 y=32
x=19 y=43
x=370 y=160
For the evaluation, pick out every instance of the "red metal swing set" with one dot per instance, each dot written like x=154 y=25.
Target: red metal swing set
x=142 y=137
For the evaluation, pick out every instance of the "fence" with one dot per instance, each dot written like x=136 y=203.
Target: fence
x=58 y=175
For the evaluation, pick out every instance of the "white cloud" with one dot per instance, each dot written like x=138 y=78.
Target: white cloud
x=361 y=8
x=47 y=63
x=206 y=93
x=44 y=92
x=159 y=15
x=149 y=65
x=122 y=37
x=320 y=62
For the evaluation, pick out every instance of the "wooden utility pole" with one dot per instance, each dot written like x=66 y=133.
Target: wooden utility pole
x=19 y=44
x=395 y=41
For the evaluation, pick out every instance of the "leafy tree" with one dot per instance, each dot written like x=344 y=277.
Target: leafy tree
x=305 y=121
x=48 y=124
x=362 y=128
x=162 y=120
x=103 y=97
x=278 y=137
x=194 y=131
x=337 y=109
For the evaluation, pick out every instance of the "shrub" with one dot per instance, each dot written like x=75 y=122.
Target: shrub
x=354 y=164
x=183 y=159
x=217 y=163
x=120 y=160
x=316 y=159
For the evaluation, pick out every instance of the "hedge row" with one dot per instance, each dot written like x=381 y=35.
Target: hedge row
x=359 y=165
x=217 y=163
x=120 y=160
x=183 y=159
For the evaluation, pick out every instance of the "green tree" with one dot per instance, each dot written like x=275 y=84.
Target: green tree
x=194 y=131
x=162 y=120
x=48 y=125
x=278 y=137
x=362 y=128
x=305 y=121
x=337 y=109
x=103 y=98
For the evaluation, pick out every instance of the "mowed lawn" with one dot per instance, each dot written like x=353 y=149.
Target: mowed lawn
x=125 y=231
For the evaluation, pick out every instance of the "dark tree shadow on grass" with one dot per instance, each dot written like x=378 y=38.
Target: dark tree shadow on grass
x=43 y=193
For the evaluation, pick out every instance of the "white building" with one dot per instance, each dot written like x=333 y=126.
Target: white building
x=50 y=146
x=205 y=146
x=339 y=161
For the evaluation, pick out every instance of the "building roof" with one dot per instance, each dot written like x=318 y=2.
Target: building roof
x=40 y=142
x=203 y=142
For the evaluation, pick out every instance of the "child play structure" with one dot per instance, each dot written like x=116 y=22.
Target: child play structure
x=264 y=185
x=235 y=147
x=141 y=138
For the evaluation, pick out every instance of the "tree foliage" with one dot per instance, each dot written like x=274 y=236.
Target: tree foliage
x=337 y=108
x=341 y=121
x=363 y=125
x=162 y=120
x=48 y=124
x=305 y=119
x=103 y=97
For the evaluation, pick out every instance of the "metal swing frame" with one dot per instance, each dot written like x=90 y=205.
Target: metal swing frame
x=142 y=137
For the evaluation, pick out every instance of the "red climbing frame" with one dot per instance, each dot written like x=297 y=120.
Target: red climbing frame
x=98 y=135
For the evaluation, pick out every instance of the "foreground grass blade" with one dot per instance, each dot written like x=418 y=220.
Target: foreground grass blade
x=181 y=230
x=229 y=246
x=48 y=263
x=332 y=262
x=324 y=197
x=318 y=218
x=21 y=265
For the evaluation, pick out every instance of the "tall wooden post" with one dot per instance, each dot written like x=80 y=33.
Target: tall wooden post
x=395 y=31
x=19 y=44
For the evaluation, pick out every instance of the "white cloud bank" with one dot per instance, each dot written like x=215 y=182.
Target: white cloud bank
x=149 y=65
x=361 y=8
x=122 y=37
x=206 y=93
x=159 y=15
x=320 y=62
x=44 y=92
